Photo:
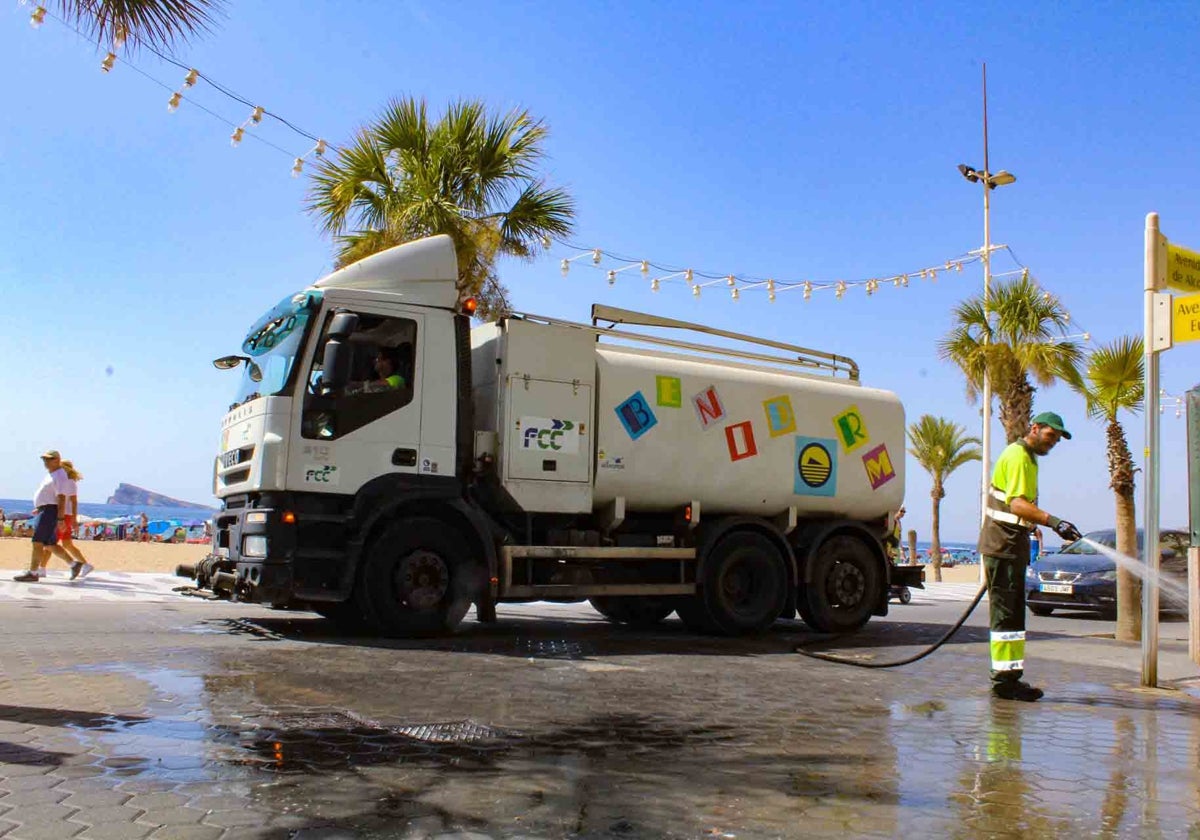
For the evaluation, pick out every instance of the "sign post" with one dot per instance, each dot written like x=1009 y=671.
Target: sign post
x=1168 y=321
x=1153 y=280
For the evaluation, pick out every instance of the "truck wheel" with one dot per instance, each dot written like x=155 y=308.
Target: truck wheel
x=419 y=579
x=743 y=589
x=844 y=586
x=905 y=596
x=634 y=611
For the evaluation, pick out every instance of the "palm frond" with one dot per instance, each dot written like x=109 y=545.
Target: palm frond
x=156 y=24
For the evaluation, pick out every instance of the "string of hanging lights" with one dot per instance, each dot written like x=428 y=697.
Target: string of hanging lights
x=653 y=273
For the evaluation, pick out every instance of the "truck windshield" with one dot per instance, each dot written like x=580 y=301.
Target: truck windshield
x=273 y=344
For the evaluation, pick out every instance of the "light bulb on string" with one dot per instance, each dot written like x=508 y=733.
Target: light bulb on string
x=896 y=282
x=933 y=274
x=807 y=290
x=689 y=276
x=645 y=269
x=173 y=102
x=596 y=256
x=923 y=273
x=256 y=115
x=319 y=151
x=1025 y=275
x=108 y=62
x=904 y=280
x=734 y=293
x=654 y=285
x=38 y=17
x=730 y=280
x=297 y=167
x=565 y=266
x=612 y=277
x=118 y=37
x=191 y=77
x=1087 y=336
x=840 y=289
x=958 y=267
x=545 y=238
x=696 y=291
x=236 y=137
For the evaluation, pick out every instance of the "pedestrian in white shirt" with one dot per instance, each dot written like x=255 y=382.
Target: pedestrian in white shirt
x=50 y=500
x=80 y=567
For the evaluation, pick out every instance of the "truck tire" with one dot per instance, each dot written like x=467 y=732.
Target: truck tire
x=742 y=590
x=419 y=579
x=845 y=585
x=632 y=610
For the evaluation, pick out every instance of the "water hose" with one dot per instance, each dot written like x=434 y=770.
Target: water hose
x=829 y=657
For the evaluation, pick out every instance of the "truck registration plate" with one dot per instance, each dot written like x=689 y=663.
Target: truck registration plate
x=1058 y=588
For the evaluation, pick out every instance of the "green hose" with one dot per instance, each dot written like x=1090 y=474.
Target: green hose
x=828 y=657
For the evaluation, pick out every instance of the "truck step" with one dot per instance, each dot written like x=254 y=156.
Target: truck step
x=571 y=552
x=587 y=590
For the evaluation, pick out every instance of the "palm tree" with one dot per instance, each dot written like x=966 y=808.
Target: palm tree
x=471 y=175
x=1019 y=335
x=941 y=447
x=155 y=24
x=1112 y=382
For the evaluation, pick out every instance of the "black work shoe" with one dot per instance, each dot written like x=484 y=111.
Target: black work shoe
x=1017 y=691
x=27 y=577
x=75 y=567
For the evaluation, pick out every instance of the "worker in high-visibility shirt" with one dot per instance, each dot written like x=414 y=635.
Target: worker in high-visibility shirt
x=1011 y=514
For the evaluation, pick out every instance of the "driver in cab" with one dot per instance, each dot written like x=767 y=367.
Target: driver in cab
x=387 y=372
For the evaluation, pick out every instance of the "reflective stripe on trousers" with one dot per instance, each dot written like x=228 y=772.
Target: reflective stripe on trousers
x=1008 y=650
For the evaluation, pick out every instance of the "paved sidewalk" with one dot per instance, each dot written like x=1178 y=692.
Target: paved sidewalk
x=100 y=585
x=196 y=720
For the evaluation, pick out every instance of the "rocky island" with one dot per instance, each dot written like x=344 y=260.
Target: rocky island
x=129 y=494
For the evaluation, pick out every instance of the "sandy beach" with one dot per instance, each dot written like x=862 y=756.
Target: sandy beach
x=111 y=556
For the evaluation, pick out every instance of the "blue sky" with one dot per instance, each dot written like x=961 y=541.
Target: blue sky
x=796 y=141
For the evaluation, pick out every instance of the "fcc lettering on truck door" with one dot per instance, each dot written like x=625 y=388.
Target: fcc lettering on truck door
x=547 y=434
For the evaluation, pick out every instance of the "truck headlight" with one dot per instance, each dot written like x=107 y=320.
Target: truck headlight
x=254 y=546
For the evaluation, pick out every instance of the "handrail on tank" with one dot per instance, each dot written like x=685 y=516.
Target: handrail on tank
x=804 y=358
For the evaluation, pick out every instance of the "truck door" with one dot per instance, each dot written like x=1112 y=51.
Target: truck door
x=372 y=426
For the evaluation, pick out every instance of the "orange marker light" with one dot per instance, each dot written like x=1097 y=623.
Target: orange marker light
x=469 y=306
x=687 y=514
x=289 y=518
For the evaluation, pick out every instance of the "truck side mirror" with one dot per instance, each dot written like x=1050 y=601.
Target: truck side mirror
x=342 y=325
x=335 y=364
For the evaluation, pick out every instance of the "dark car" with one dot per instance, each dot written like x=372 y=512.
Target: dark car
x=1079 y=577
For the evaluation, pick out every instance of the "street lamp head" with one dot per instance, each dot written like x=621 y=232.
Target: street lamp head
x=1000 y=179
x=969 y=173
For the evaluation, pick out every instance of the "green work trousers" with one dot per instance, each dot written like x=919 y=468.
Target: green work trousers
x=1006 y=606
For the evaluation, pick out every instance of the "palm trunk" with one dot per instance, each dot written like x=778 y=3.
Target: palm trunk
x=1016 y=408
x=935 y=540
x=1129 y=587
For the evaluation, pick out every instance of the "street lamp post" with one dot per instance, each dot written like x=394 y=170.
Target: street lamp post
x=990 y=181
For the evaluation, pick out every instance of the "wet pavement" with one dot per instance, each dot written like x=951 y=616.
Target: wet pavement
x=198 y=720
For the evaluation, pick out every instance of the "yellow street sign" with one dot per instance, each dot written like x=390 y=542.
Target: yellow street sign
x=1185 y=319
x=1183 y=269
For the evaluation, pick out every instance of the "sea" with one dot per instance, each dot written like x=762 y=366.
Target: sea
x=103 y=511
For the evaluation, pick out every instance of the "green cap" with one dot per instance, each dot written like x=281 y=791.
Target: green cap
x=1049 y=418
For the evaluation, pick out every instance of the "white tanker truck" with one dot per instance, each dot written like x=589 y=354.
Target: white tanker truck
x=388 y=466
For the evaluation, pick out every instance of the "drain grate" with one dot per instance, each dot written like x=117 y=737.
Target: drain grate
x=457 y=732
